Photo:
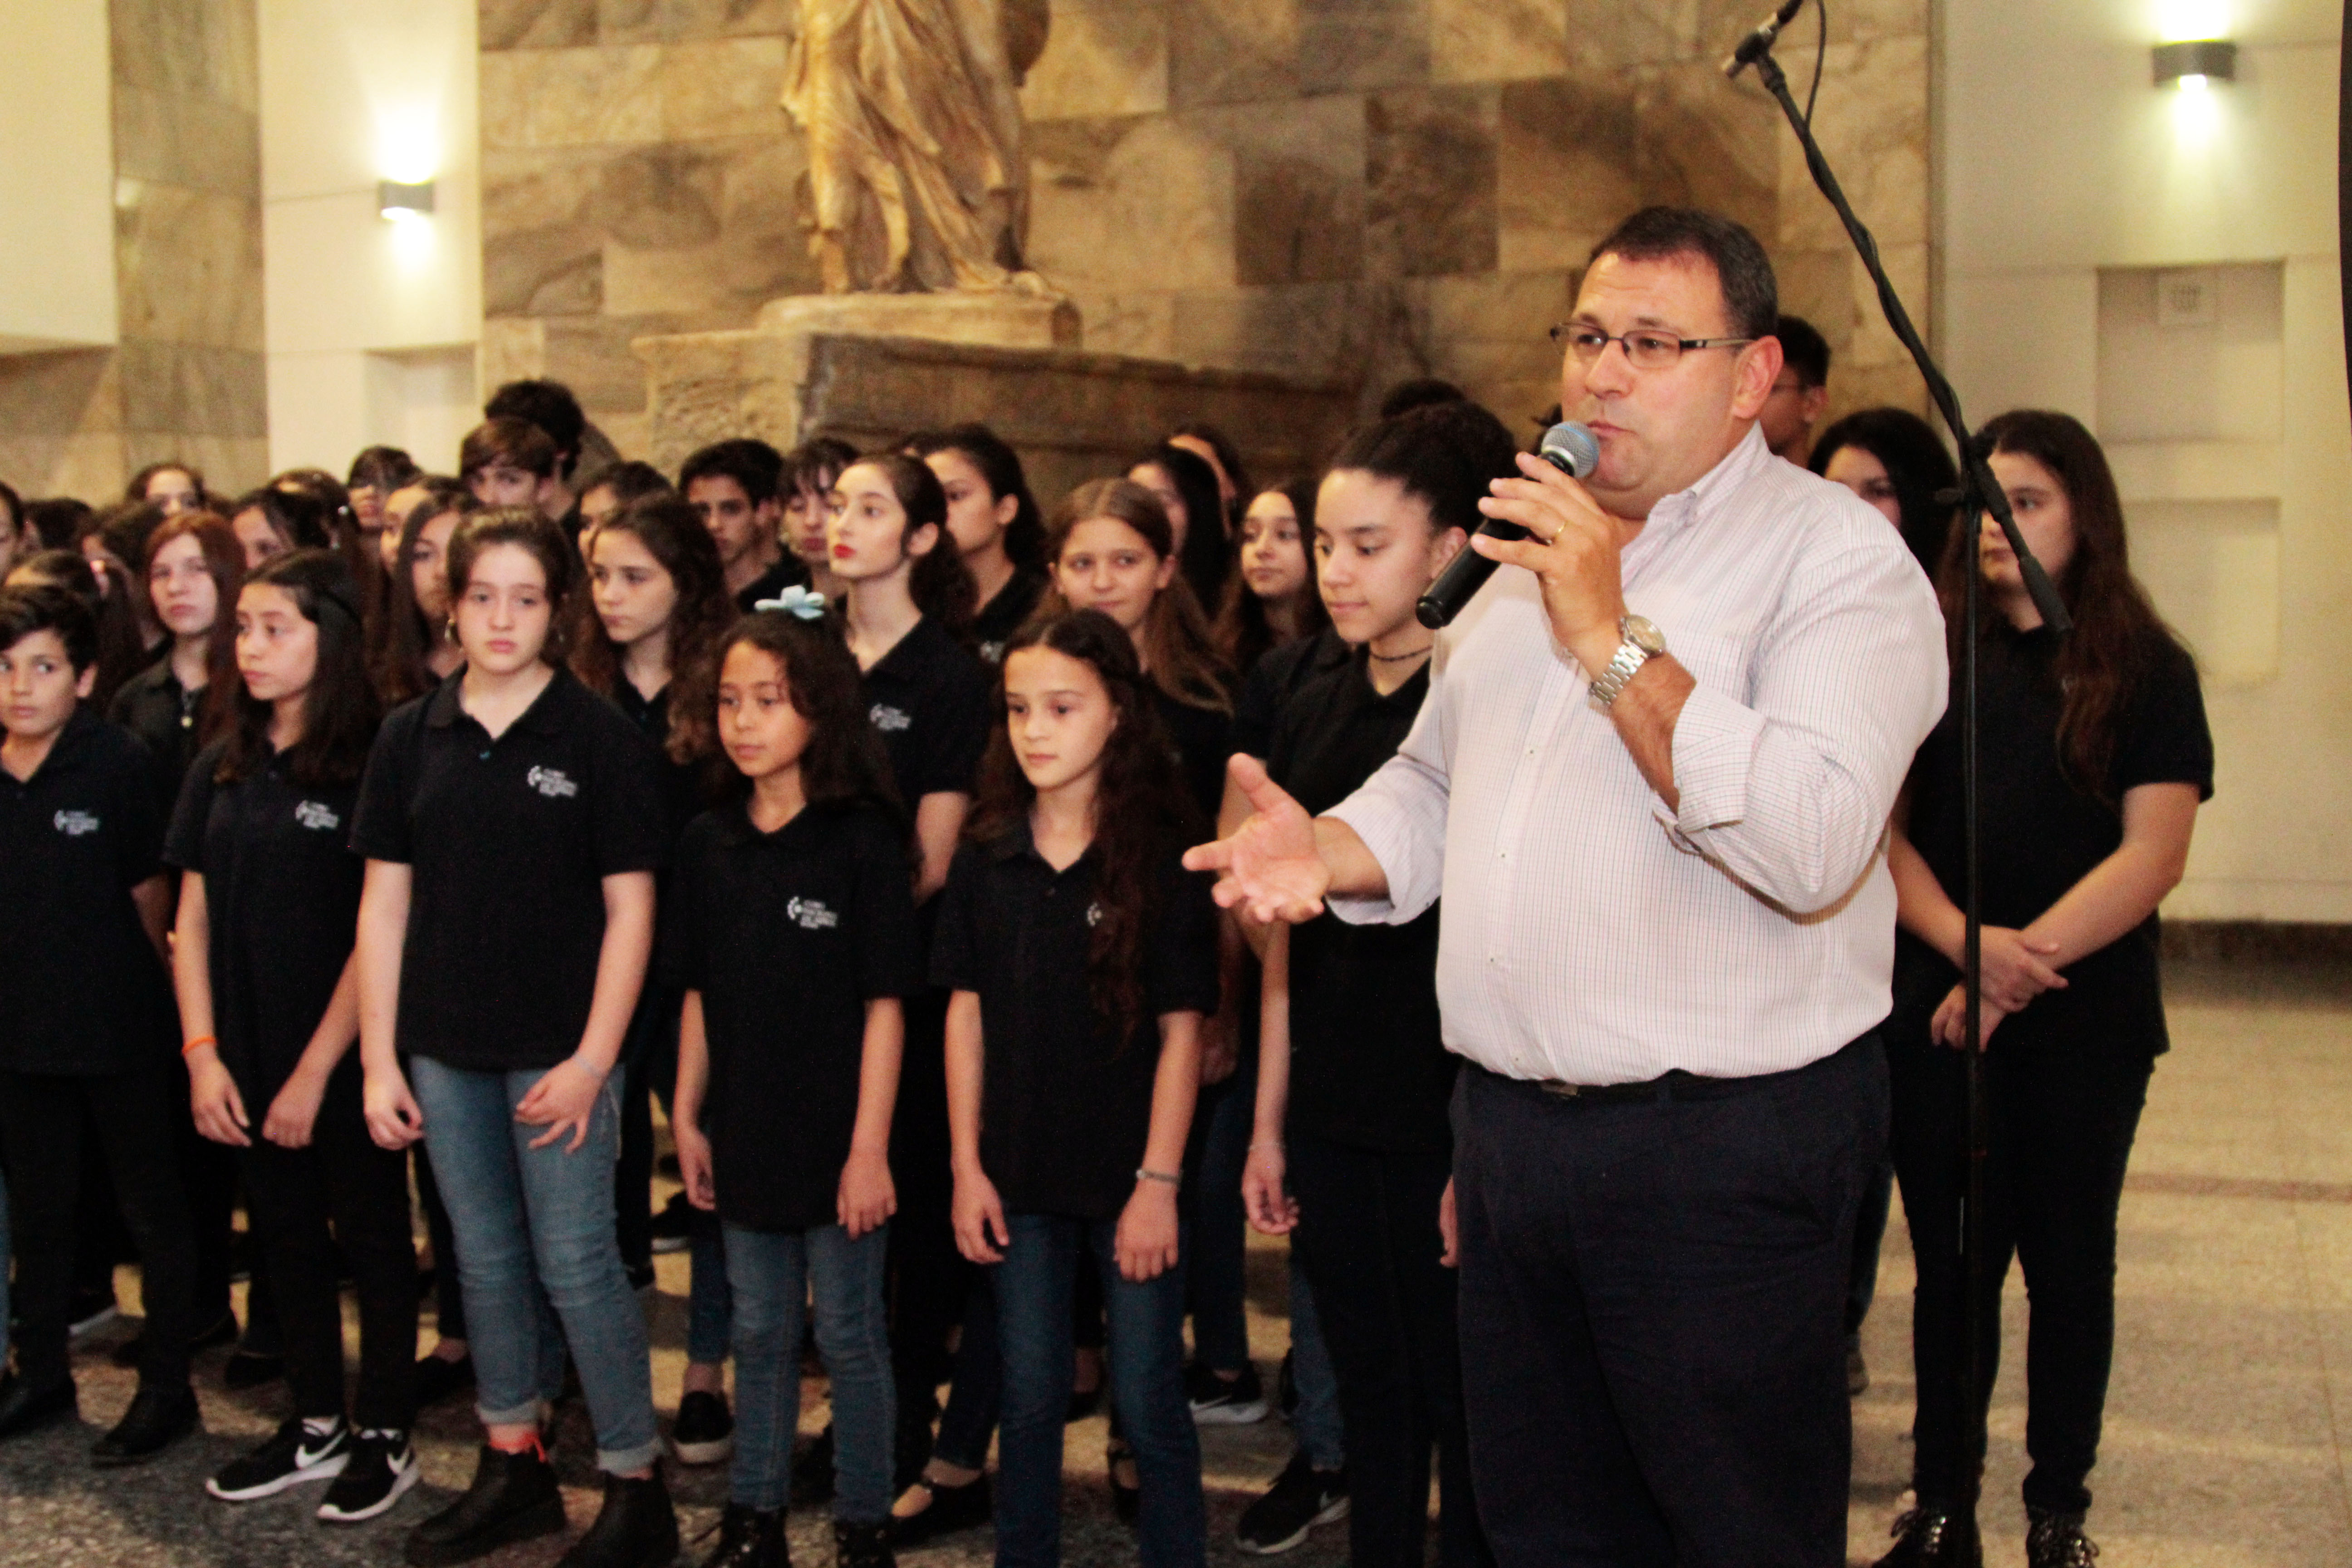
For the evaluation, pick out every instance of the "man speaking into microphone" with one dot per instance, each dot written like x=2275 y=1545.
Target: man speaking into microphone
x=1652 y=781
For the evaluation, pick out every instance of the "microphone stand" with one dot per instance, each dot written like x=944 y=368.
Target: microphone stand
x=1978 y=495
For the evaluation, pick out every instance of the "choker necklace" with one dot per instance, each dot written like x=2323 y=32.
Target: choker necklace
x=1399 y=658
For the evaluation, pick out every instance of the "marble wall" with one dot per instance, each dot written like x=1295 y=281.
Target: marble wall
x=186 y=380
x=1353 y=189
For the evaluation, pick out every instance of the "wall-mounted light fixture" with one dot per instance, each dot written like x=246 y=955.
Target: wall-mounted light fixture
x=397 y=201
x=2196 y=64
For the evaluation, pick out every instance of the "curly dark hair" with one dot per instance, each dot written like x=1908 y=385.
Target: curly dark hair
x=673 y=534
x=1142 y=812
x=340 y=709
x=844 y=763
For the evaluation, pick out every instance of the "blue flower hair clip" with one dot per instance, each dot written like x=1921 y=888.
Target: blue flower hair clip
x=806 y=604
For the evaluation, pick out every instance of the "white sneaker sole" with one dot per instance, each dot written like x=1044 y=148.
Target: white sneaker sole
x=326 y=1470
x=1334 y=1510
x=402 y=1479
x=1235 y=1413
x=711 y=1453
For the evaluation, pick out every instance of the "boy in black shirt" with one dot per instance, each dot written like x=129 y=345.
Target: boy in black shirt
x=86 y=1019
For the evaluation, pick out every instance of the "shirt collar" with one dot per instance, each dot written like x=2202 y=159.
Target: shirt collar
x=443 y=708
x=1017 y=841
x=1673 y=512
x=66 y=751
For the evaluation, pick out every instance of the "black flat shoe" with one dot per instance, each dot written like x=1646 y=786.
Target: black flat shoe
x=513 y=1497
x=862 y=1545
x=749 y=1538
x=158 y=1417
x=637 y=1528
x=950 y=1508
x=23 y=1408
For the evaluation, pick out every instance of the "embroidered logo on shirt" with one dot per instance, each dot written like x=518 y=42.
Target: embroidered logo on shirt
x=811 y=914
x=1093 y=915
x=889 y=720
x=317 y=816
x=74 y=824
x=551 y=782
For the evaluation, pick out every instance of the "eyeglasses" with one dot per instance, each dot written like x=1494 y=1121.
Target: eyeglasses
x=1643 y=350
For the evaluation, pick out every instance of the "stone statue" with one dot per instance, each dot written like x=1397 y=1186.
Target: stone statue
x=916 y=169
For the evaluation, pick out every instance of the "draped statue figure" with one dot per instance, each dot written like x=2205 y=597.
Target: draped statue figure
x=912 y=112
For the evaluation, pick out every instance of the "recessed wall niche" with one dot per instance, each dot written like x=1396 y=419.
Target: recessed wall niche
x=2191 y=399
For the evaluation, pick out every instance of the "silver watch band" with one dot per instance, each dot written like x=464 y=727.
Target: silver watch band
x=1631 y=656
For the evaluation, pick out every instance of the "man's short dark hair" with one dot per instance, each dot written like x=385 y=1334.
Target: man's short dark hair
x=45 y=608
x=753 y=464
x=1751 y=299
x=1804 y=351
x=628 y=480
x=548 y=405
x=1421 y=392
x=517 y=443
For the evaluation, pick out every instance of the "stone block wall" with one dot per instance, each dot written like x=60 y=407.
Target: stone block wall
x=1358 y=190
x=186 y=380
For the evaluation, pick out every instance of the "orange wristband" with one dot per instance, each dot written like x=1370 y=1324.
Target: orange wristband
x=199 y=1040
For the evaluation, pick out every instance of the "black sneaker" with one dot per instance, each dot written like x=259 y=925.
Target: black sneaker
x=947 y=1510
x=158 y=1417
x=673 y=1228
x=704 y=1433
x=749 y=1538
x=27 y=1409
x=513 y=1497
x=1301 y=1497
x=637 y=1528
x=91 y=1310
x=294 y=1455
x=1933 y=1537
x=382 y=1467
x=1225 y=1402
x=437 y=1378
x=2056 y=1541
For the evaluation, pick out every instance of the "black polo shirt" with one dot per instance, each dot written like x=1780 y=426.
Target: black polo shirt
x=82 y=991
x=1002 y=615
x=1065 y=1100
x=929 y=701
x=788 y=935
x=1270 y=683
x=2043 y=832
x=789 y=572
x=509 y=842
x=685 y=786
x=1369 y=1066
x=154 y=706
x=282 y=897
x=1202 y=739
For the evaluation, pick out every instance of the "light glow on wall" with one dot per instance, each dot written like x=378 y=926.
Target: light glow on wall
x=2179 y=21
x=408 y=142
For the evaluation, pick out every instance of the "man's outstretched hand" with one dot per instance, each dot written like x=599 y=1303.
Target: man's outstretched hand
x=1270 y=869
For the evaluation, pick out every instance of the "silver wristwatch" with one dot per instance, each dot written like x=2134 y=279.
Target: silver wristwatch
x=1642 y=642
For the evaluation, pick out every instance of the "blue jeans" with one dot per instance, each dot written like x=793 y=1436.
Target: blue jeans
x=1322 y=1435
x=772 y=1274
x=535 y=1228
x=1147 y=1388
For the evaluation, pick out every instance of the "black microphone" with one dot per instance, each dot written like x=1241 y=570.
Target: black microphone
x=1568 y=447
x=1761 y=39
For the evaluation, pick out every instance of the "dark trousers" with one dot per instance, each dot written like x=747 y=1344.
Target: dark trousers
x=928 y=1277
x=1215 y=1277
x=1369 y=1240
x=1652 y=1302
x=648 y=1062
x=342 y=1188
x=449 y=1291
x=2063 y=1114
x=208 y=1173
x=1869 y=1235
x=134 y=1120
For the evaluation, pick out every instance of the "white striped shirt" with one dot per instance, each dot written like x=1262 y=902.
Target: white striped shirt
x=1590 y=936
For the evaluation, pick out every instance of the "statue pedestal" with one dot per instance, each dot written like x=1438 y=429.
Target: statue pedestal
x=874 y=368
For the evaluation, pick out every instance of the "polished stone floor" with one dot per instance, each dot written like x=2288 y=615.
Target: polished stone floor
x=2234 y=1355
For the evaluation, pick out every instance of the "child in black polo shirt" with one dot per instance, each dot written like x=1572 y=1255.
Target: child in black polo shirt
x=794 y=936
x=86 y=1029
x=512 y=825
x=270 y=1007
x=1082 y=959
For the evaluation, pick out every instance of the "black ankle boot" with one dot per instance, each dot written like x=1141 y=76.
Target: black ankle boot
x=2055 y=1540
x=513 y=1497
x=862 y=1545
x=749 y=1538
x=23 y=1408
x=637 y=1528
x=158 y=1417
x=1932 y=1536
